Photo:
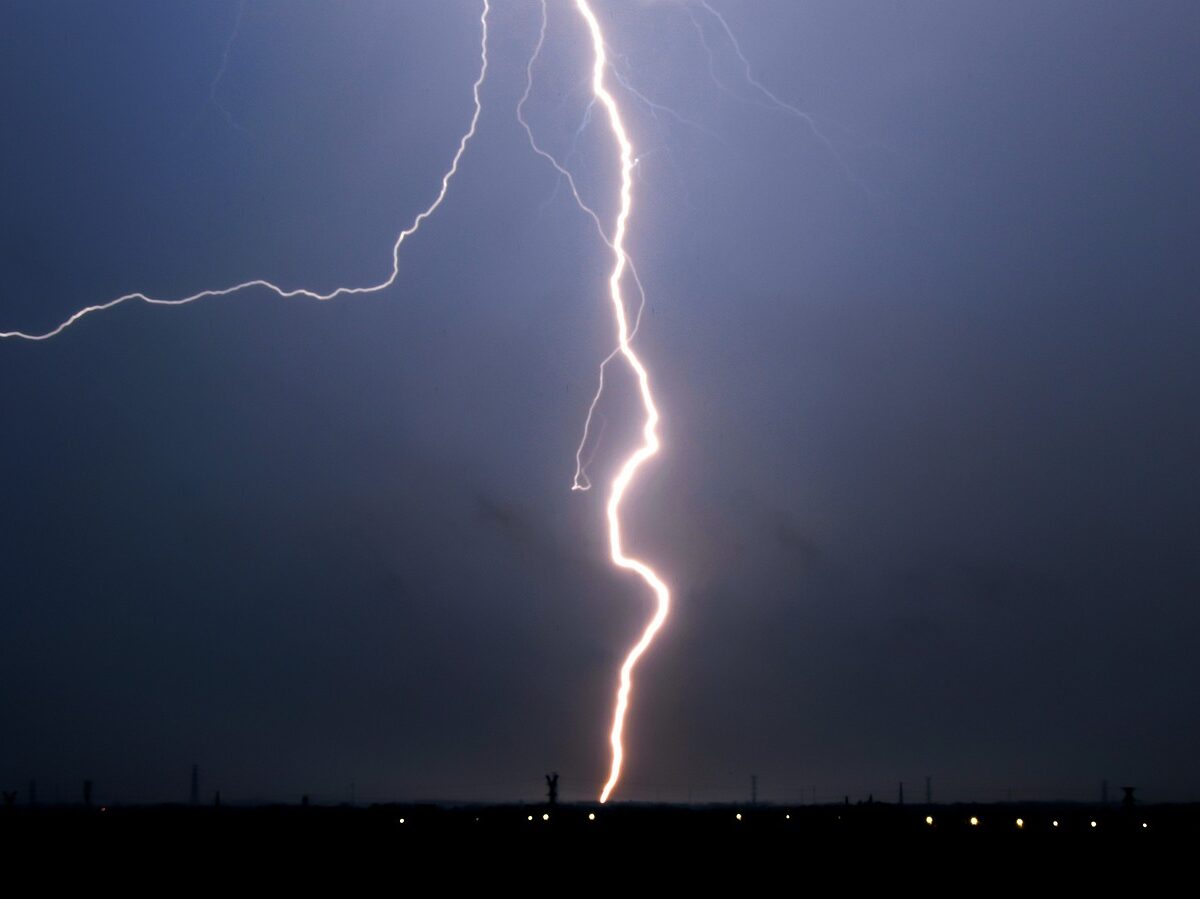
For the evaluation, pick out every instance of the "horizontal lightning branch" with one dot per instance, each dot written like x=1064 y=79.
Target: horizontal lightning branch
x=301 y=292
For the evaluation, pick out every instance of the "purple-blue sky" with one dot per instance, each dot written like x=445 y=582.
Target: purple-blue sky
x=928 y=495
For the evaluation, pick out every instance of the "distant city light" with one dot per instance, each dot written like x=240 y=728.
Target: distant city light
x=401 y=820
x=738 y=816
x=929 y=820
x=1093 y=824
x=530 y=818
x=1144 y=825
x=974 y=821
x=546 y=816
x=1020 y=822
x=787 y=817
x=591 y=816
x=1055 y=823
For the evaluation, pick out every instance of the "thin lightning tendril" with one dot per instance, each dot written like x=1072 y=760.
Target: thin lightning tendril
x=656 y=108
x=311 y=294
x=754 y=82
x=774 y=100
x=650 y=440
x=212 y=88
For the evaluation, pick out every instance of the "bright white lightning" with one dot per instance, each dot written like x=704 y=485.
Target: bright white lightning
x=311 y=294
x=580 y=481
x=650 y=441
x=622 y=265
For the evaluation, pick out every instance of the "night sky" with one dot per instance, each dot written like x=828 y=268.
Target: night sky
x=929 y=495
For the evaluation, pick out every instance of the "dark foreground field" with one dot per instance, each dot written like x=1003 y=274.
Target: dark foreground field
x=1014 y=826
x=676 y=850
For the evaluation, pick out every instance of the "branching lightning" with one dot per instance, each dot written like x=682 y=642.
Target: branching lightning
x=622 y=266
x=310 y=294
x=656 y=108
x=771 y=100
x=580 y=481
x=749 y=73
x=212 y=88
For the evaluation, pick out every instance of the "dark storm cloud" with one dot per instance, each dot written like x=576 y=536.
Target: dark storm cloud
x=928 y=490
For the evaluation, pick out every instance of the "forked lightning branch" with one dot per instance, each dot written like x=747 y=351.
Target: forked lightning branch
x=614 y=237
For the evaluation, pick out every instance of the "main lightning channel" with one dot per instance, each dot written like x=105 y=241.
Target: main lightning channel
x=650 y=441
x=580 y=481
x=311 y=294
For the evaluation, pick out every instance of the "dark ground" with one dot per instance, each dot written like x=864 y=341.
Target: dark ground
x=627 y=850
x=766 y=826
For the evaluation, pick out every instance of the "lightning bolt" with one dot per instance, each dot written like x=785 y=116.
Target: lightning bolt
x=580 y=481
x=650 y=442
x=622 y=265
x=387 y=282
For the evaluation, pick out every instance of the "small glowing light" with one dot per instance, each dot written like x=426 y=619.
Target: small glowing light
x=104 y=808
x=1144 y=825
x=530 y=818
x=929 y=820
x=1054 y=823
x=1093 y=824
x=1020 y=822
x=591 y=816
x=401 y=820
x=546 y=816
x=974 y=821
x=787 y=817
x=738 y=816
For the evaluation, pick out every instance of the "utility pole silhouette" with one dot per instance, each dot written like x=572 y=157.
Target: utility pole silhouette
x=552 y=788
x=195 y=784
